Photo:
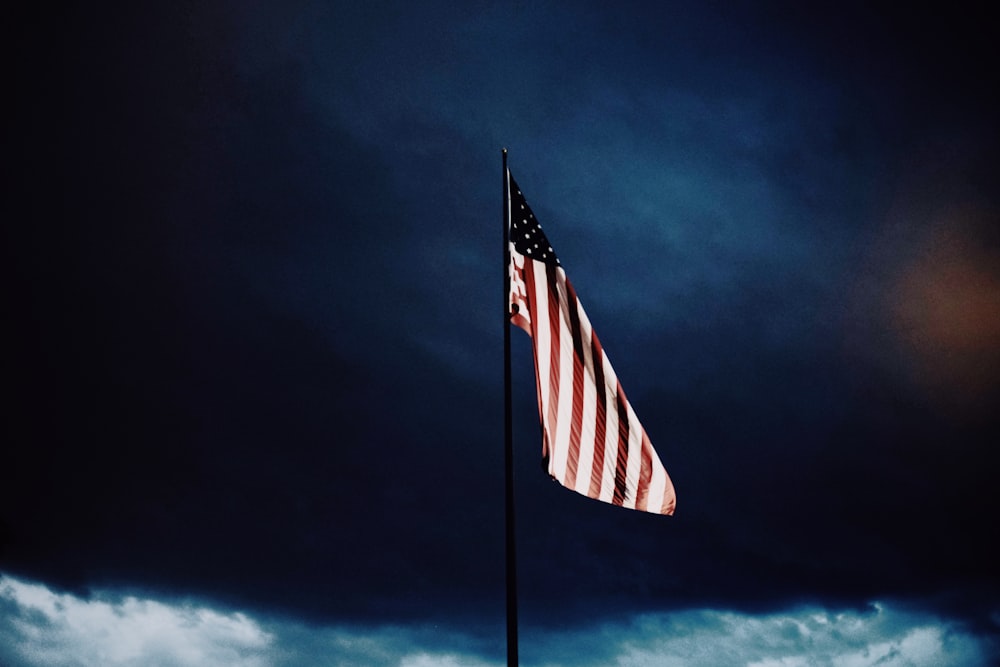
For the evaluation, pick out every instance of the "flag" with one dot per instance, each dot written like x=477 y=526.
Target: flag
x=592 y=441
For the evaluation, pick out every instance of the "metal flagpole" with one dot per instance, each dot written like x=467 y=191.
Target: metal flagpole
x=511 y=552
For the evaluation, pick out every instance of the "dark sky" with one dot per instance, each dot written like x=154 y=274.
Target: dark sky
x=254 y=369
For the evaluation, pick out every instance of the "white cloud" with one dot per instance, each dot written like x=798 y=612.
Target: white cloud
x=441 y=660
x=804 y=637
x=40 y=627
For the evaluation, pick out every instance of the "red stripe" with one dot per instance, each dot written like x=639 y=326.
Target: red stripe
x=554 y=360
x=528 y=276
x=645 y=475
x=621 y=464
x=573 y=455
x=600 y=418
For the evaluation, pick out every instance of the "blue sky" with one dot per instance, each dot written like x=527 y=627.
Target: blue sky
x=257 y=367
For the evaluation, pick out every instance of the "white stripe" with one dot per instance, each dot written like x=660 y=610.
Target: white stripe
x=564 y=417
x=657 y=483
x=542 y=342
x=610 y=433
x=518 y=292
x=588 y=426
x=634 y=465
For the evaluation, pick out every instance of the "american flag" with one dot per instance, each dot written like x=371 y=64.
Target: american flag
x=592 y=441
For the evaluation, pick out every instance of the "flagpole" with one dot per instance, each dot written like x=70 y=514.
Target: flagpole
x=511 y=552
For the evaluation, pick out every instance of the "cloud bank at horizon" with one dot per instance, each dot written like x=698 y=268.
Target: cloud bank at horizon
x=39 y=626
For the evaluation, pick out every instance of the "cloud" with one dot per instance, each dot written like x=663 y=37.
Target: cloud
x=42 y=627
x=806 y=636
